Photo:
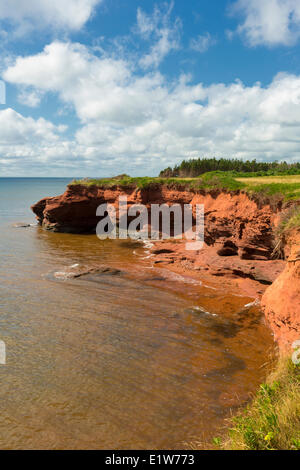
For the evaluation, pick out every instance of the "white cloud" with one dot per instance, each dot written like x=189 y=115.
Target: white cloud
x=269 y=22
x=26 y=143
x=18 y=130
x=97 y=87
x=26 y=15
x=31 y=98
x=164 y=34
x=31 y=147
x=141 y=124
x=202 y=43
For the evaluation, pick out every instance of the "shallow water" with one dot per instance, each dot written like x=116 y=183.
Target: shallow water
x=143 y=359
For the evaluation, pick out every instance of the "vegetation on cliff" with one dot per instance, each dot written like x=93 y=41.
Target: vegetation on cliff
x=271 y=188
x=196 y=167
x=211 y=180
x=290 y=220
x=272 y=420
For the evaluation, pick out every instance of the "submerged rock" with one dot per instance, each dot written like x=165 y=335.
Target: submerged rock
x=75 y=271
x=22 y=225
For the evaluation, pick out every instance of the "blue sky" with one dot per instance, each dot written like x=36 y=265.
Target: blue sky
x=100 y=87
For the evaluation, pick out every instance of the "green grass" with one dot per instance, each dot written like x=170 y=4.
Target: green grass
x=138 y=182
x=290 y=220
x=294 y=221
x=287 y=186
x=211 y=180
x=268 y=179
x=272 y=420
x=125 y=181
x=269 y=173
x=272 y=188
x=287 y=191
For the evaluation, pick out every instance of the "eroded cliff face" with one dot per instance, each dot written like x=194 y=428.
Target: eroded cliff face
x=232 y=220
x=239 y=240
x=281 y=301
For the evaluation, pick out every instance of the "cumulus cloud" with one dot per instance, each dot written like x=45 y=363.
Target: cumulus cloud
x=158 y=28
x=31 y=98
x=26 y=15
x=141 y=123
x=202 y=42
x=33 y=142
x=269 y=22
x=18 y=130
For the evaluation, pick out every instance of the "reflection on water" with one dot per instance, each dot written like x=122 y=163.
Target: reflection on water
x=138 y=359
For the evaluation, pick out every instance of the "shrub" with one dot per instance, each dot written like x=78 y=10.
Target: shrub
x=272 y=420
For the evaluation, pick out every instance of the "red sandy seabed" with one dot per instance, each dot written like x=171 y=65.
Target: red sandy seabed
x=239 y=240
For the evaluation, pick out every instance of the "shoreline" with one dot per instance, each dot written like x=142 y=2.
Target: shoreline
x=236 y=259
x=239 y=277
x=240 y=234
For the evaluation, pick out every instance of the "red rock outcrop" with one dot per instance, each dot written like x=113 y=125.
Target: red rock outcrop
x=281 y=301
x=239 y=240
x=236 y=274
x=232 y=220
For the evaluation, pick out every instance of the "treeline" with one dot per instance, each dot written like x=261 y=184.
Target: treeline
x=194 y=168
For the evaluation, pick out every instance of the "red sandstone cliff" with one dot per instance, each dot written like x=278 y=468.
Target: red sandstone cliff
x=239 y=241
x=281 y=301
x=232 y=220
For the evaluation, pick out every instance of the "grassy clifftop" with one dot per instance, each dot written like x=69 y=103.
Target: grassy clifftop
x=283 y=187
x=273 y=190
x=207 y=181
